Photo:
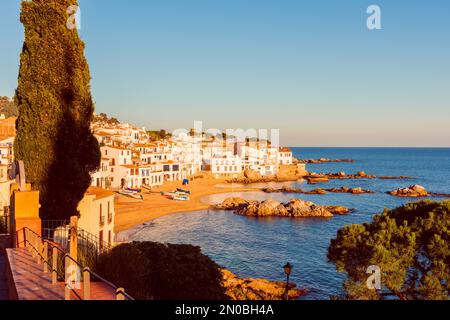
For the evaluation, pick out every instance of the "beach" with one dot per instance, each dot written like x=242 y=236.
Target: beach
x=132 y=212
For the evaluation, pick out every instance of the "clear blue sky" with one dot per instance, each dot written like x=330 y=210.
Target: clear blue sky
x=310 y=68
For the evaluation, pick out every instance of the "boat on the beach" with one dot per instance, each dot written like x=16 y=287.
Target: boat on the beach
x=175 y=196
x=183 y=191
x=147 y=187
x=131 y=194
x=134 y=190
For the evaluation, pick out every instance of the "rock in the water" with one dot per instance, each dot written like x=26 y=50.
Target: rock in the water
x=232 y=204
x=338 y=210
x=294 y=208
x=414 y=191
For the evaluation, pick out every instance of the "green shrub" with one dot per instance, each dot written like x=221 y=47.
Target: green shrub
x=149 y=270
x=410 y=245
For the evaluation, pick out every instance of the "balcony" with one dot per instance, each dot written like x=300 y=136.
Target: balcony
x=110 y=217
x=102 y=221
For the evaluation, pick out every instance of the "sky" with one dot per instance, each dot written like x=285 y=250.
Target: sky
x=311 y=69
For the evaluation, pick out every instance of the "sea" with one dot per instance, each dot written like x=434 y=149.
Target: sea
x=260 y=247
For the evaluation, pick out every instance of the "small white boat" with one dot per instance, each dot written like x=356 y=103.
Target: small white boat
x=144 y=186
x=180 y=198
x=175 y=196
x=131 y=194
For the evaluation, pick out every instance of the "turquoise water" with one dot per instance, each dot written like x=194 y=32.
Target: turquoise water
x=253 y=247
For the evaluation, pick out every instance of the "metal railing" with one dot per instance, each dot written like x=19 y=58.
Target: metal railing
x=90 y=245
x=5 y=224
x=57 y=261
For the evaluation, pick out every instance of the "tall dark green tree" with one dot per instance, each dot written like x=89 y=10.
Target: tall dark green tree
x=55 y=109
x=411 y=247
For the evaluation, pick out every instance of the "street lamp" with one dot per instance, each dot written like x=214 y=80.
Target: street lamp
x=287 y=270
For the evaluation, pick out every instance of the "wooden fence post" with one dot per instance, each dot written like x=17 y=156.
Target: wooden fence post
x=120 y=294
x=86 y=284
x=54 y=265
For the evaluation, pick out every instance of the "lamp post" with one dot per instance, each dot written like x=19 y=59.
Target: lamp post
x=287 y=270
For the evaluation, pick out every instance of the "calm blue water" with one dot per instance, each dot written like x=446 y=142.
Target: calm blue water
x=253 y=247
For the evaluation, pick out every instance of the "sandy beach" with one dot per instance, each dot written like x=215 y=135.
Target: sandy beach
x=132 y=212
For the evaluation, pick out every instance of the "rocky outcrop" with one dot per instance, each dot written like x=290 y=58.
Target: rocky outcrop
x=258 y=289
x=349 y=190
x=414 y=191
x=323 y=160
x=294 y=208
x=283 y=190
x=232 y=204
x=318 y=190
x=314 y=178
x=286 y=173
x=252 y=175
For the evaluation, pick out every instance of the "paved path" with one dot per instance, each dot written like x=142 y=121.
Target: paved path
x=3 y=292
x=33 y=284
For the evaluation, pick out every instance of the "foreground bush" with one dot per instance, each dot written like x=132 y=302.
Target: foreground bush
x=149 y=270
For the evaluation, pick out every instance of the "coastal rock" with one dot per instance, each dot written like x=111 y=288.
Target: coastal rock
x=286 y=173
x=315 y=178
x=252 y=175
x=338 y=210
x=283 y=190
x=414 y=191
x=349 y=190
x=294 y=208
x=323 y=160
x=232 y=204
x=394 y=178
x=257 y=289
x=362 y=174
x=300 y=208
x=318 y=190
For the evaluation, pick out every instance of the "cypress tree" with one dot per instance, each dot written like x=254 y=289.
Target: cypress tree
x=54 y=138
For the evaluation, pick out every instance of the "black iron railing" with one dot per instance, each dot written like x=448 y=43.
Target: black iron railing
x=89 y=246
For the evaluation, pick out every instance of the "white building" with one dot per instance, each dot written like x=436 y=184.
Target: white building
x=226 y=166
x=101 y=178
x=285 y=156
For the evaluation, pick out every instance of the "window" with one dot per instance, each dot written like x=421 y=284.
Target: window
x=100 y=237
x=102 y=218
x=109 y=237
